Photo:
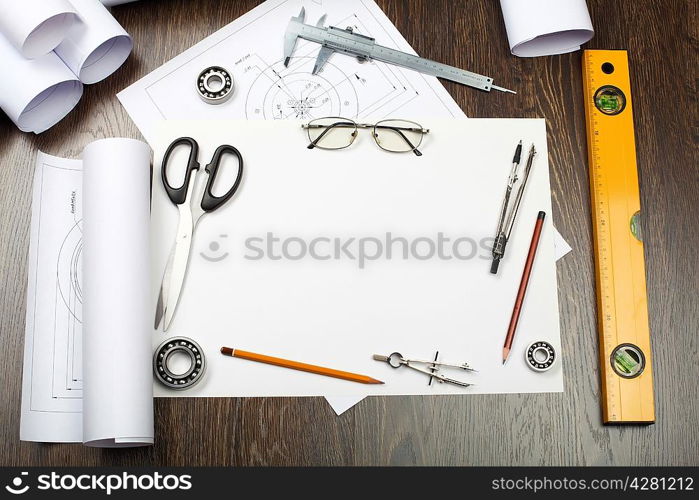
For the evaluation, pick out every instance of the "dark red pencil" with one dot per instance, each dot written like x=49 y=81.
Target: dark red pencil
x=523 y=286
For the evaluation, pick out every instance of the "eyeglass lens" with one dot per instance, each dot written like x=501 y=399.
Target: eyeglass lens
x=398 y=136
x=331 y=133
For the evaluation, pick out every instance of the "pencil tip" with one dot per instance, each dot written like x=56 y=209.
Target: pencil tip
x=505 y=354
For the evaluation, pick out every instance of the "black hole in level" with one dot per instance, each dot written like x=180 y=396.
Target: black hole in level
x=633 y=355
x=608 y=68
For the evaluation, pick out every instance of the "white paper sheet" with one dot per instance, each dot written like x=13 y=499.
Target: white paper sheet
x=168 y=92
x=118 y=397
x=35 y=27
x=546 y=27
x=264 y=88
x=95 y=46
x=331 y=312
x=36 y=93
x=88 y=265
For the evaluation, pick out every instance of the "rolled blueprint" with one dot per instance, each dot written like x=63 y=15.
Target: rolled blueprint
x=35 y=27
x=36 y=93
x=117 y=364
x=546 y=27
x=95 y=46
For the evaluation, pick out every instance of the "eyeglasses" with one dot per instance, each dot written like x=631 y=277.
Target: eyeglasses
x=396 y=136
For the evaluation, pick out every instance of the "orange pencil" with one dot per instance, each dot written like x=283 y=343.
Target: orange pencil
x=295 y=365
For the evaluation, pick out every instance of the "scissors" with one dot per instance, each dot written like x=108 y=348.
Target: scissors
x=193 y=199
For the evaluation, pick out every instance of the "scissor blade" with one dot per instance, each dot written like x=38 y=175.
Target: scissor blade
x=159 y=309
x=164 y=289
x=180 y=259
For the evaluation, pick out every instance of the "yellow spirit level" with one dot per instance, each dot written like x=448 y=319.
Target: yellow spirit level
x=622 y=304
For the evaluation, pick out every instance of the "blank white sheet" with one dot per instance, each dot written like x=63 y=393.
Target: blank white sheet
x=334 y=314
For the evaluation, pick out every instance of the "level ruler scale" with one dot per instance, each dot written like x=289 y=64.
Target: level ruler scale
x=622 y=306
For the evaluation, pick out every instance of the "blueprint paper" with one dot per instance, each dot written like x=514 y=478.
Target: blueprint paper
x=251 y=49
x=334 y=313
x=88 y=271
x=52 y=381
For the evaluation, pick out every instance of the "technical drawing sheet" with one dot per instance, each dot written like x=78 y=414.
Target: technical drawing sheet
x=87 y=364
x=52 y=385
x=251 y=49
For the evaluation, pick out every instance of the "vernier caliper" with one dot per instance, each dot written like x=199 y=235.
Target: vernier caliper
x=364 y=48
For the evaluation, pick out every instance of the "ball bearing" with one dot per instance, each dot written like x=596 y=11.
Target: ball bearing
x=215 y=85
x=540 y=356
x=184 y=380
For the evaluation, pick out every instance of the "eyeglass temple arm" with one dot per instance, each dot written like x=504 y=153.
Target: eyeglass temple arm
x=314 y=142
x=398 y=130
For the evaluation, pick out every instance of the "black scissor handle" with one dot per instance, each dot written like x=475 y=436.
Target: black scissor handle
x=209 y=202
x=179 y=195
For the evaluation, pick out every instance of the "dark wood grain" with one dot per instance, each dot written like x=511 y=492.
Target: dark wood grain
x=537 y=429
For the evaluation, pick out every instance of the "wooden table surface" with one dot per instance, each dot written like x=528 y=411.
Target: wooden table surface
x=527 y=429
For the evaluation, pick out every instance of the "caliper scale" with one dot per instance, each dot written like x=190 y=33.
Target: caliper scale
x=365 y=48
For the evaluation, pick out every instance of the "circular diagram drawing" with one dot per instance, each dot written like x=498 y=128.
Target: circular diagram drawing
x=69 y=271
x=295 y=93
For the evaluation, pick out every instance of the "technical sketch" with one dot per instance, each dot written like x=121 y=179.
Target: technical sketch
x=344 y=87
x=54 y=316
x=69 y=271
x=293 y=92
x=69 y=311
x=266 y=89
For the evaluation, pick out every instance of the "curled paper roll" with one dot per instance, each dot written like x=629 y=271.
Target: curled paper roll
x=95 y=46
x=110 y=3
x=546 y=27
x=35 y=27
x=117 y=365
x=36 y=93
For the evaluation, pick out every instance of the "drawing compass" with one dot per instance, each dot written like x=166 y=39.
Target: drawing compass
x=365 y=48
x=431 y=368
x=508 y=213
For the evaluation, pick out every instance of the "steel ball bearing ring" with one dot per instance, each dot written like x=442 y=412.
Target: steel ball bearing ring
x=215 y=85
x=540 y=356
x=179 y=380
